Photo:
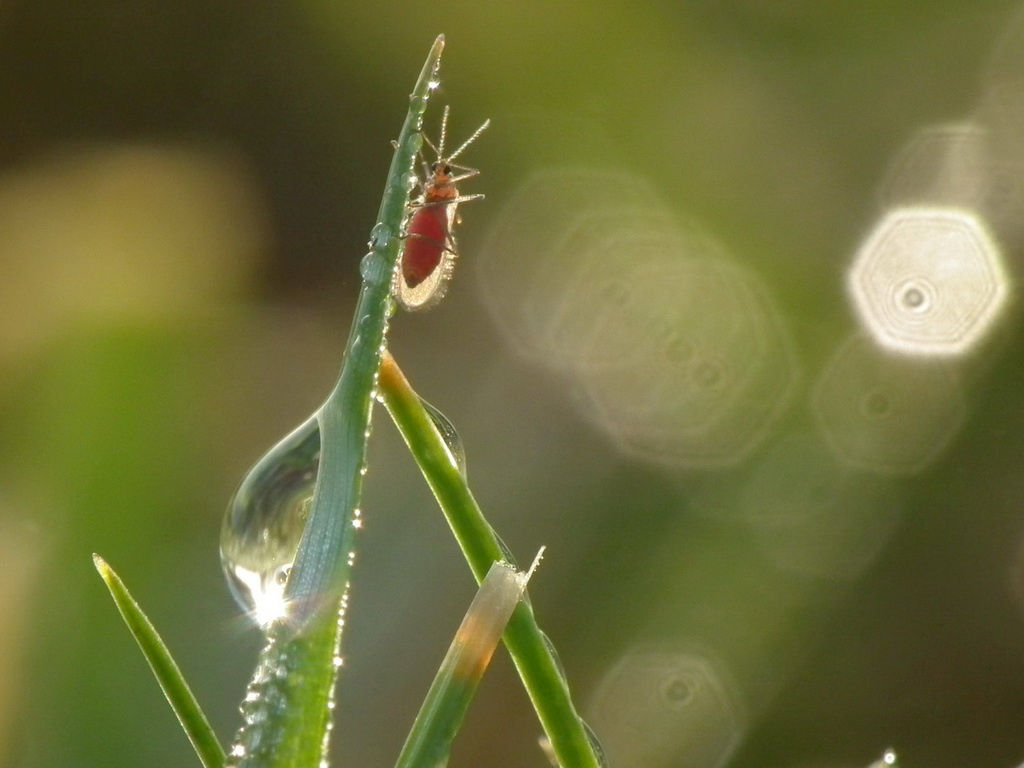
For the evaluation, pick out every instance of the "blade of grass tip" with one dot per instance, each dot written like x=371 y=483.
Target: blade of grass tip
x=287 y=707
x=530 y=649
x=319 y=574
x=171 y=681
x=444 y=708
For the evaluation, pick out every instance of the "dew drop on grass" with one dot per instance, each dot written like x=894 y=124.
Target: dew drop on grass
x=414 y=143
x=264 y=522
x=380 y=235
x=506 y=554
x=374 y=268
x=595 y=744
x=451 y=438
x=556 y=658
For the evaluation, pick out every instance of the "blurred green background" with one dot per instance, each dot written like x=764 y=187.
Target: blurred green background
x=185 y=193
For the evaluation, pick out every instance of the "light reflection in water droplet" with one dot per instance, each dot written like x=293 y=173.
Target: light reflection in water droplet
x=264 y=522
x=888 y=760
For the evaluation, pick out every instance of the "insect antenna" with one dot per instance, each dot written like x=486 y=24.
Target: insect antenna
x=444 y=131
x=468 y=141
x=439 y=149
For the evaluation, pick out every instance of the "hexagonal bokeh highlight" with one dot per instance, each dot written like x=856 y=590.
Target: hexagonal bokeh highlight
x=659 y=708
x=812 y=514
x=548 y=231
x=886 y=413
x=597 y=259
x=1001 y=107
x=933 y=167
x=688 y=363
x=928 y=281
x=957 y=166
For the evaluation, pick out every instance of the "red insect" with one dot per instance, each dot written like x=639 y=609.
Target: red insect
x=428 y=255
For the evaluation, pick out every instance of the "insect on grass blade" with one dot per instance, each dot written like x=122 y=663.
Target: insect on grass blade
x=429 y=252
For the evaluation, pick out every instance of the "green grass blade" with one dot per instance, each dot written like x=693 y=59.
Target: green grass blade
x=319 y=575
x=287 y=709
x=439 y=719
x=530 y=649
x=178 y=694
x=287 y=706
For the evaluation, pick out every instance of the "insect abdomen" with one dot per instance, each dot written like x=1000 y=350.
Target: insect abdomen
x=425 y=244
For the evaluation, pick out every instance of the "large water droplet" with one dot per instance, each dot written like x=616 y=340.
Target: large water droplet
x=265 y=519
x=451 y=438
